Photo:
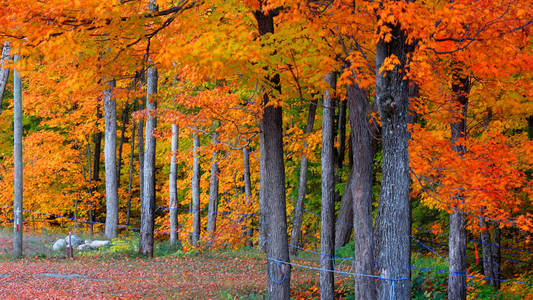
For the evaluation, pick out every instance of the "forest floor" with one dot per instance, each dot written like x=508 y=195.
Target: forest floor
x=118 y=273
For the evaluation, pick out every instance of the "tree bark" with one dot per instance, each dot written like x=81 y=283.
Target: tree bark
x=262 y=170
x=196 y=191
x=279 y=274
x=140 y=146
x=327 y=216
x=344 y=223
x=110 y=153
x=172 y=190
x=247 y=192
x=146 y=242
x=361 y=190
x=125 y=121
x=393 y=219
x=130 y=176
x=96 y=166
x=4 y=71
x=302 y=184
x=496 y=256
x=17 y=157
x=213 y=192
x=457 y=236
x=487 y=251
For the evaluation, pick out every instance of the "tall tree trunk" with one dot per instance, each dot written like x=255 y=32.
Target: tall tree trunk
x=4 y=71
x=125 y=113
x=279 y=274
x=327 y=216
x=496 y=256
x=262 y=170
x=96 y=165
x=361 y=190
x=110 y=153
x=302 y=184
x=530 y=127
x=457 y=236
x=247 y=192
x=487 y=251
x=213 y=192
x=17 y=157
x=146 y=242
x=172 y=190
x=140 y=146
x=130 y=175
x=393 y=219
x=342 y=134
x=196 y=191
x=343 y=225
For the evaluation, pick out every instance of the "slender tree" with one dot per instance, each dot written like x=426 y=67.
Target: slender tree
x=393 y=221
x=172 y=190
x=196 y=191
x=344 y=221
x=302 y=184
x=110 y=153
x=125 y=120
x=4 y=71
x=146 y=242
x=327 y=219
x=130 y=175
x=213 y=191
x=17 y=156
x=262 y=169
x=457 y=235
x=247 y=191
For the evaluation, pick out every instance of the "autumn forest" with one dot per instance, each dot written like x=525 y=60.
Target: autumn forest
x=334 y=149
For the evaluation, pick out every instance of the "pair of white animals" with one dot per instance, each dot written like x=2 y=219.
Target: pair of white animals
x=79 y=244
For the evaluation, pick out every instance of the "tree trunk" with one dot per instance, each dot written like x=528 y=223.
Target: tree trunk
x=130 y=177
x=361 y=190
x=140 y=146
x=457 y=236
x=196 y=191
x=327 y=216
x=172 y=190
x=146 y=242
x=496 y=256
x=125 y=113
x=96 y=165
x=247 y=192
x=213 y=192
x=4 y=71
x=302 y=184
x=487 y=251
x=279 y=273
x=17 y=156
x=342 y=133
x=344 y=223
x=393 y=219
x=110 y=153
x=262 y=170
x=530 y=127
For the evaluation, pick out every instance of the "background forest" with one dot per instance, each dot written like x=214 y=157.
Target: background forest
x=395 y=133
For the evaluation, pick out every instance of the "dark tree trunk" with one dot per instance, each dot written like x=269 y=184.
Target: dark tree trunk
x=125 y=120
x=342 y=133
x=457 y=236
x=17 y=157
x=196 y=191
x=110 y=152
x=487 y=251
x=327 y=219
x=361 y=190
x=302 y=184
x=146 y=242
x=96 y=166
x=279 y=274
x=213 y=192
x=344 y=224
x=496 y=256
x=172 y=189
x=530 y=127
x=130 y=175
x=393 y=218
